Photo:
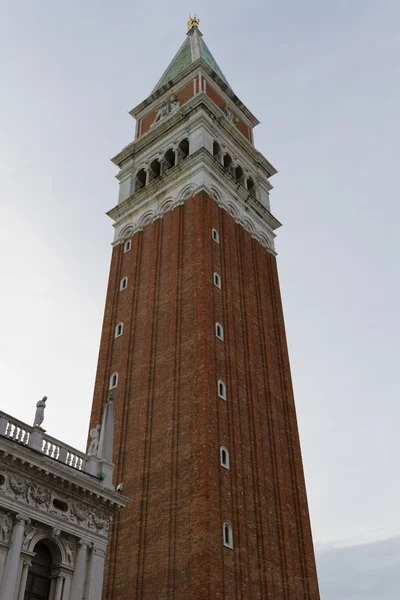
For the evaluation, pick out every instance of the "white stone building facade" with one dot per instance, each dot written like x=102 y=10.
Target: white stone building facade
x=56 y=504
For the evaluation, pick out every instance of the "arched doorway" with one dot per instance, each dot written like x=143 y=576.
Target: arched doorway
x=38 y=582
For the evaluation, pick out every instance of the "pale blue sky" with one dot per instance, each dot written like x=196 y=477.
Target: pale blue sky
x=323 y=78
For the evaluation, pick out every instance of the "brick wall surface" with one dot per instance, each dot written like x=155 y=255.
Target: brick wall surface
x=219 y=101
x=170 y=422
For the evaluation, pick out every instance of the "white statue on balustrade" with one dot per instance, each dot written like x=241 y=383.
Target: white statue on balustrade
x=39 y=415
x=94 y=444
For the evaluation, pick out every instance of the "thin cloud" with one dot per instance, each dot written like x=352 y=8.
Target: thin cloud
x=361 y=572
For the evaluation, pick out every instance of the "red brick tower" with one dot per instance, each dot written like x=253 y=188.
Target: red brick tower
x=193 y=346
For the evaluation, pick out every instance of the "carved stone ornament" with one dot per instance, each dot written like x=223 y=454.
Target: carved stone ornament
x=6 y=524
x=227 y=110
x=127 y=232
x=30 y=533
x=38 y=495
x=80 y=511
x=18 y=486
x=69 y=549
x=90 y=518
x=166 y=109
x=99 y=522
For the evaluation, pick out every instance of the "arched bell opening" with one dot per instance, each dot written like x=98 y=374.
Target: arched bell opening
x=239 y=174
x=155 y=170
x=216 y=151
x=169 y=159
x=183 y=149
x=227 y=162
x=251 y=187
x=140 y=180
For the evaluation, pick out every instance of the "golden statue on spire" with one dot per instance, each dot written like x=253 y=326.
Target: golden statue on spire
x=193 y=22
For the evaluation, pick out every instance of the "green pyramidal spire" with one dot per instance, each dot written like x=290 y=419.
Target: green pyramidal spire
x=192 y=49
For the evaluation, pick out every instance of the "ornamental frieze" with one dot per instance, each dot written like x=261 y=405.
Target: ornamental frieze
x=18 y=486
x=42 y=498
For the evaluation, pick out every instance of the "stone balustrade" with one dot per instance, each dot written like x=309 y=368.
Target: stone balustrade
x=37 y=439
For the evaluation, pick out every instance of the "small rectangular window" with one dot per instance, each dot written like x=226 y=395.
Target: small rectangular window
x=217 y=280
x=124 y=284
x=221 y=389
x=127 y=246
x=113 y=381
x=227 y=535
x=219 y=331
x=224 y=457
x=215 y=236
x=119 y=329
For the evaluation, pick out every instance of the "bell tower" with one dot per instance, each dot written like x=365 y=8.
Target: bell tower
x=193 y=349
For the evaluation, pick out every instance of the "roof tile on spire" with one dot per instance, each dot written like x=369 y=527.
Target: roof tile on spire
x=191 y=50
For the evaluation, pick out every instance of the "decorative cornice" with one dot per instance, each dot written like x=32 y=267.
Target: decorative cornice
x=63 y=476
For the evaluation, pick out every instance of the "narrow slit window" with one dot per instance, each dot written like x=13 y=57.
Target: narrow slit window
x=227 y=534
x=219 y=331
x=119 y=330
x=124 y=284
x=224 y=457
x=113 y=381
x=127 y=246
x=217 y=280
x=221 y=389
x=215 y=236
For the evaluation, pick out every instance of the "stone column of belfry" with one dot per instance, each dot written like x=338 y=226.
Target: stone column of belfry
x=206 y=440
